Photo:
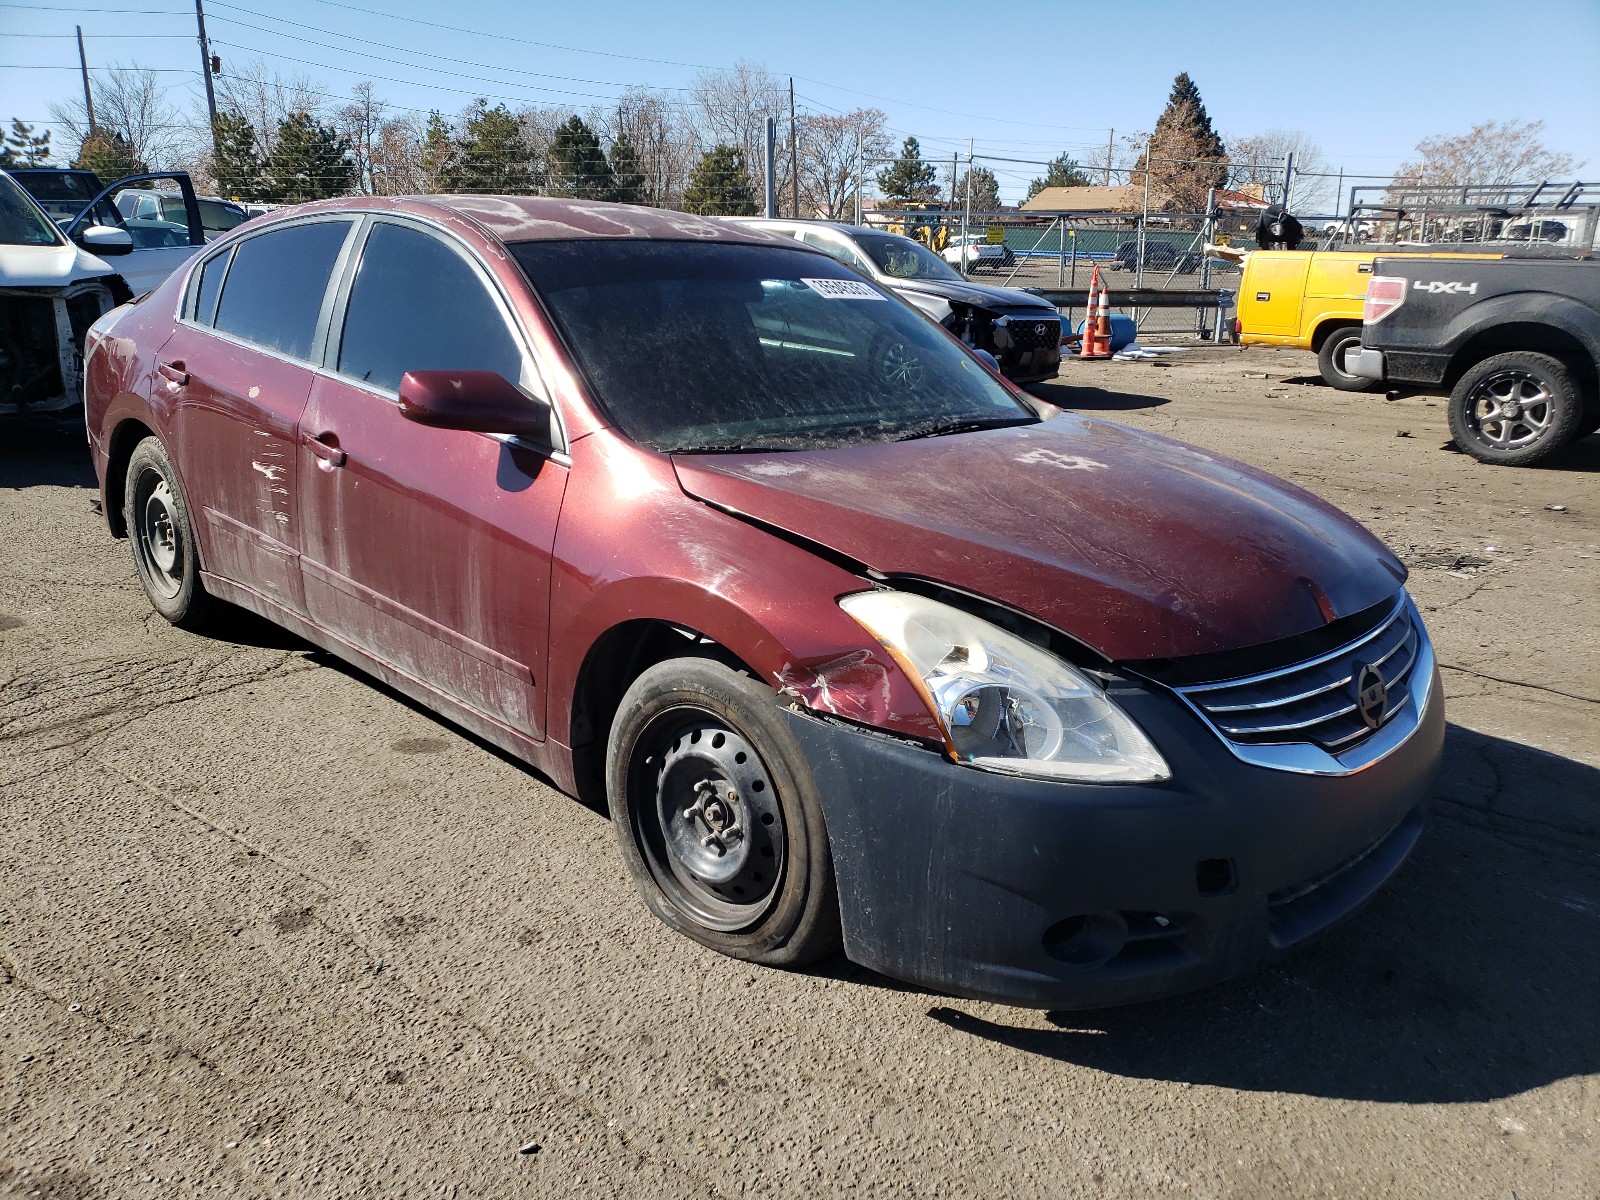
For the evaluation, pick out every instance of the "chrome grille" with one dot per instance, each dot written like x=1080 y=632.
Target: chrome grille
x=1317 y=701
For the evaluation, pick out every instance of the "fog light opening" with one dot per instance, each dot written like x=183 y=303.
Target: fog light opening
x=1087 y=939
x=1215 y=876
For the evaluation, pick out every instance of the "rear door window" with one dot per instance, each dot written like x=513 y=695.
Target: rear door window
x=419 y=305
x=274 y=290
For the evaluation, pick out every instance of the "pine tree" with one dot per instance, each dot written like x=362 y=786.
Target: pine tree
x=109 y=155
x=908 y=179
x=1185 y=155
x=1063 y=171
x=23 y=148
x=308 y=162
x=629 y=180
x=490 y=155
x=985 y=190
x=576 y=165
x=720 y=185
x=433 y=159
x=236 y=167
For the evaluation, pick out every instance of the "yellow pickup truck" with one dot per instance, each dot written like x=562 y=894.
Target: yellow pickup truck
x=1312 y=299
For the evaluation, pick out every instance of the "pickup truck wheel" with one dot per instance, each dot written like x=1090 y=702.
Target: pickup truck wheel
x=164 y=550
x=1516 y=409
x=1331 y=360
x=717 y=816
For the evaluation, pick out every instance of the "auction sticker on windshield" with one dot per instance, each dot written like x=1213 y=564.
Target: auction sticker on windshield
x=844 y=289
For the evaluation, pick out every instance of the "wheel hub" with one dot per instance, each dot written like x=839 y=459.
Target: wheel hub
x=718 y=821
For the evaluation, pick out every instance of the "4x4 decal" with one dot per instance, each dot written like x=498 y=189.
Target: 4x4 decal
x=1455 y=287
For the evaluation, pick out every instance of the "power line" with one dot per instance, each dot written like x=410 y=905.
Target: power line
x=414 y=83
x=504 y=37
x=404 y=50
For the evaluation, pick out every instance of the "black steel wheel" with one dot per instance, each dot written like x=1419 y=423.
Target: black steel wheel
x=162 y=536
x=1330 y=360
x=1516 y=409
x=717 y=817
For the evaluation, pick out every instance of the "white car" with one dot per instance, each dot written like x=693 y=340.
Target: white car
x=76 y=200
x=974 y=253
x=51 y=291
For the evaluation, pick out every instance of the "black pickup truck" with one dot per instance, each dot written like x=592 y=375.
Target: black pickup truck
x=1515 y=341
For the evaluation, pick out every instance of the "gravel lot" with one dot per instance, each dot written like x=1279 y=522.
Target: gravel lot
x=268 y=930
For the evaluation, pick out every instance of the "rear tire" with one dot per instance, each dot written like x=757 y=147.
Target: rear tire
x=165 y=553
x=717 y=816
x=1516 y=409
x=1330 y=359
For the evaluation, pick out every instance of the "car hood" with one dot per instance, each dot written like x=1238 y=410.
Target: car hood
x=1136 y=545
x=976 y=294
x=48 y=266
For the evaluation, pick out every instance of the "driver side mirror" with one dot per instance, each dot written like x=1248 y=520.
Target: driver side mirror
x=105 y=240
x=475 y=402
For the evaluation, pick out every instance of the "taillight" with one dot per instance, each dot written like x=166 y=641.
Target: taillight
x=1385 y=293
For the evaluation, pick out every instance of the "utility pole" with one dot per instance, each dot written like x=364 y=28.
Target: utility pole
x=794 y=155
x=771 y=147
x=966 y=213
x=860 y=171
x=83 y=65
x=205 y=70
x=1110 y=134
x=1288 y=177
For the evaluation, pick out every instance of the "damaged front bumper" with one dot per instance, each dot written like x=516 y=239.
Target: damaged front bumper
x=42 y=332
x=1058 y=895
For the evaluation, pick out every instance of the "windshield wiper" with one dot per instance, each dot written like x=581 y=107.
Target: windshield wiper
x=939 y=427
x=735 y=447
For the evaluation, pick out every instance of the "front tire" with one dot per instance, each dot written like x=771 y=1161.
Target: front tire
x=1516 y=409
x=1330 y=360
x=165 y=553
x=717 y=816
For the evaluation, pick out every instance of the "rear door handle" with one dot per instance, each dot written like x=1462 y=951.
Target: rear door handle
x=325 y=446
x=173 y=371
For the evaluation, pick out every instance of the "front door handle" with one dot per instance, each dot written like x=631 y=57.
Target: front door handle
x=173 y=371
x=326 y=447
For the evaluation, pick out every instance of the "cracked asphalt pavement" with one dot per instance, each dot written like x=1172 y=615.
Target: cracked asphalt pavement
x=266 y=929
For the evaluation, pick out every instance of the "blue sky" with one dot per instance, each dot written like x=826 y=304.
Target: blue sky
x=1366 y=80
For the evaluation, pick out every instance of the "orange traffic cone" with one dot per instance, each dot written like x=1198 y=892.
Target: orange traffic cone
x=1096 y=341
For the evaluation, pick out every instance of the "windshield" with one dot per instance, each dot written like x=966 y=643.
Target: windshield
x=695 y=346
x=21 y=222
x=901 y=258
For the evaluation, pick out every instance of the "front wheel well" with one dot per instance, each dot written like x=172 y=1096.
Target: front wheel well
x=1525 y=335
x=617 y=658
x=119 y=450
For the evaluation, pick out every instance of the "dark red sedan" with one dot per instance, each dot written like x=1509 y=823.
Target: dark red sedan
x=858 y=642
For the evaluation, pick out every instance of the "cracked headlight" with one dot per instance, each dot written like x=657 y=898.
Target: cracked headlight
x=1003 y=703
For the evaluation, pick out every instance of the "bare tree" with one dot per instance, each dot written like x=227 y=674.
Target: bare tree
x=537 y=125
x=664 y=143
x=360 y=123
x=398 y=164
x=1496 y=152
x=731 y=108
x=829 y=147
x=129 y=101
x=265 y=98
x=1257 y=161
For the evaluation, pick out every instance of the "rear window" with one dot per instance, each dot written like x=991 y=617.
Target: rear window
x=274 y=290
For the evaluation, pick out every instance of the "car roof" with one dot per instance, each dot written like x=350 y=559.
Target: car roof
x=514 y=219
